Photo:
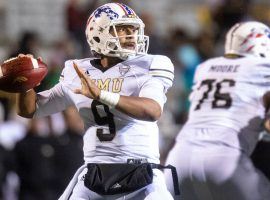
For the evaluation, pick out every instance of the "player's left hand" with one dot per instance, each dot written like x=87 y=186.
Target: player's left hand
x=89 y=88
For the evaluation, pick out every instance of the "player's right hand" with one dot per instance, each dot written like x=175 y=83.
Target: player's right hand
x=89 y=88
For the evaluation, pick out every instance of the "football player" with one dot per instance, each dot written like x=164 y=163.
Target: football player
x=119 y=93
x=225 y=119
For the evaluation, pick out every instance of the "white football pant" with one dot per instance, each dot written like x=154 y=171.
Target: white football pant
x=212 y=171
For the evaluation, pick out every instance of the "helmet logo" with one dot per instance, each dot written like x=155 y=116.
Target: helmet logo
x=123 y=69
x=108 y=11
x=252 y=35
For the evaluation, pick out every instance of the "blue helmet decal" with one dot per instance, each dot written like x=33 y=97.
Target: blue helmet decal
x=107 y=10
x=128 y=10
x=267 y=31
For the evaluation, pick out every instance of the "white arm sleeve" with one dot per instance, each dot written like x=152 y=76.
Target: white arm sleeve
x=162 y=69
x=57 y=98
x=154 y=89
x=52 y=101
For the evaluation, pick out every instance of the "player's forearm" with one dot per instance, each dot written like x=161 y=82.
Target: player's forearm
x=26 y=103
x=139 y=108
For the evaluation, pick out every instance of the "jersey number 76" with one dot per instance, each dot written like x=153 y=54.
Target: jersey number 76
x=221 y=100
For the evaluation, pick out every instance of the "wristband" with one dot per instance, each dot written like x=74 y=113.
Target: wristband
x=109 y=98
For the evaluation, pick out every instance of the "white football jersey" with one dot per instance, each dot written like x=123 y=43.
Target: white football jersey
x=227 y=93
x=112 y=136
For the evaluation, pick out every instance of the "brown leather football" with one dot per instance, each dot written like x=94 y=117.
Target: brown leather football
x=20 y=74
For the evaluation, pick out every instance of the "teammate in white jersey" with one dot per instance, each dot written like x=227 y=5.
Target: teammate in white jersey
x=119 y=94
x=227 y=111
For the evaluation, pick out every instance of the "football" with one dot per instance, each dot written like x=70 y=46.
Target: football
x=20 y=74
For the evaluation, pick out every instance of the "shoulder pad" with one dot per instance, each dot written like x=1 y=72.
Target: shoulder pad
x=162 y=68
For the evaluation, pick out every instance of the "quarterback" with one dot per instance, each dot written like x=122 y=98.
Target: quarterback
x=225 y=119
x=119 y=93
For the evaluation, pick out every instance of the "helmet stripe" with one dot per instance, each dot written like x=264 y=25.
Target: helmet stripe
x=246 y=39
x=122 y=8
x=233 y=31
x=126 y=9
x=89 y=19
x=250 y=48
x=259 y=35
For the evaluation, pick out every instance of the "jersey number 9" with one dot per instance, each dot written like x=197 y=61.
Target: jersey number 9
x=103 y=120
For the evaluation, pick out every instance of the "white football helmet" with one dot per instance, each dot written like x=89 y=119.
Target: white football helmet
x=104 y=19
x=248 y=39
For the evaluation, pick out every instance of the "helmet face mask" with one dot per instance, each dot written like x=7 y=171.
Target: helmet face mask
x=248 y=39
x=115 y=45
x=102 y=34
